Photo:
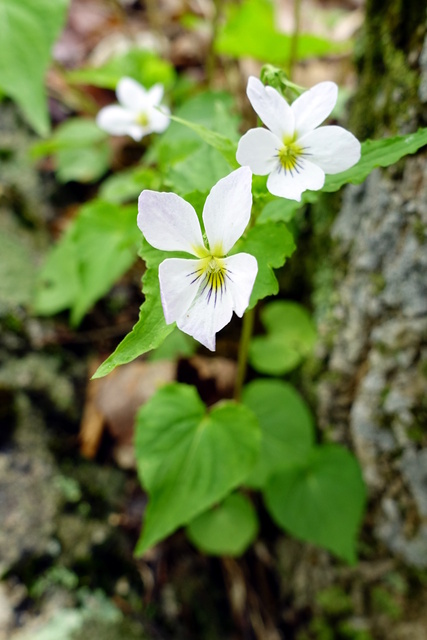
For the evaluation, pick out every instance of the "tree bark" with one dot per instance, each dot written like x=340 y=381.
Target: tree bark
x=369 y=269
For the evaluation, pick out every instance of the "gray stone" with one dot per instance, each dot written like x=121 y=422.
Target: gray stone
x=28 y=497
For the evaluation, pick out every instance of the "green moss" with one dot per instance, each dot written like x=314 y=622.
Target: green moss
x=420 y=231
x=347 y=629
x=385 y=602
x=387 y=97
x=334 y=601
x=378 y=283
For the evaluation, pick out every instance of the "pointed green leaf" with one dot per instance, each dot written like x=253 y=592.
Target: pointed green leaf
x=28 y=30
x=249 y=30
x=378 y=153
x=271 y=244
x=322 y=501
x=99 y=246
x=81 y=150
x=189 y=459
x=216 y=140
x=286 y=426
x=144 y=66
x=151 y=328
x=227 y=529
x=291 y=336
x=126 y=185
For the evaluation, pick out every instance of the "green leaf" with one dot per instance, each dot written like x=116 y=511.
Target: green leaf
x=202 y=168
x=97 y=249
x=176 y=345
x=28 y=29
x=151 y=328
x=212 y=110
x=322 y=501
x=271 y=244
x=128 y=184
x=286 y=426
x=189 y=459
x=228 y=529
x=249 y=30
x=377 y=153
x=81 y=150
x=290 y=338
x=216 y=140
x=279 y=210
x=142 y=65
x=58 y=283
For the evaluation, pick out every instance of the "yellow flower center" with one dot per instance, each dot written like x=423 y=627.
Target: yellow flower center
x=212 y=274
x=142 y=119
x=289 y=154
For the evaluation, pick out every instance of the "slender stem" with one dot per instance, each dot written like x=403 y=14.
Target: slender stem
x=293 y=54
x=249 y=317
x=211 y=57
x=242 y=359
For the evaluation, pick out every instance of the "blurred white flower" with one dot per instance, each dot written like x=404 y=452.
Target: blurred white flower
x=201 y=294
x=293 y=151
x=138 y=113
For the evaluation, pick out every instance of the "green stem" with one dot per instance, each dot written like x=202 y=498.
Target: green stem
x=242 y=360
x=293 y=54
x=211 y=57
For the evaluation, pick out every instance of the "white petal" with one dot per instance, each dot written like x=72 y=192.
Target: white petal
x=209 y=314
x=178 y=286
x=242 y=270
x=258 y=149
x=158 y=120
x=168 y=222
x=313 y=106
x=155 y=94
x=292 y=184
x=333 y=149
x=271 y=107
x=227 y=210
x=118 y=121
x=205 y=317
x=131 y=94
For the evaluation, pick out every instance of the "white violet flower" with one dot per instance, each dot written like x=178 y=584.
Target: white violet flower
x=293 y=151
x=138 y=113
x=201 y=293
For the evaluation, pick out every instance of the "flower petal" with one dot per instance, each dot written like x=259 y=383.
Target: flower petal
x=131 y=94
x=291 y=184
x=178 y=286
x=333 y=149
x=209 y=314
x=205 y=317
x=118 y=121
x=242 y=270
x=258 y=149
x=313 y=106
x=227 y=210
x=271 y=107
x=155 y=94
x=158 y=119
x=169 y=223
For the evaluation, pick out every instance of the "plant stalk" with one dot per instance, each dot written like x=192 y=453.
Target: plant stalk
x=242 y=359
x=293 y=54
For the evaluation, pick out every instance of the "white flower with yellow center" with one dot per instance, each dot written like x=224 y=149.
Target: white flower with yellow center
x=201 y=294
x=138 y=112
x=293 y=152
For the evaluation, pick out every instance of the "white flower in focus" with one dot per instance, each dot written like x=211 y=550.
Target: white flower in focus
x=293 y=151
x=200 y=294
x=138 y=113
